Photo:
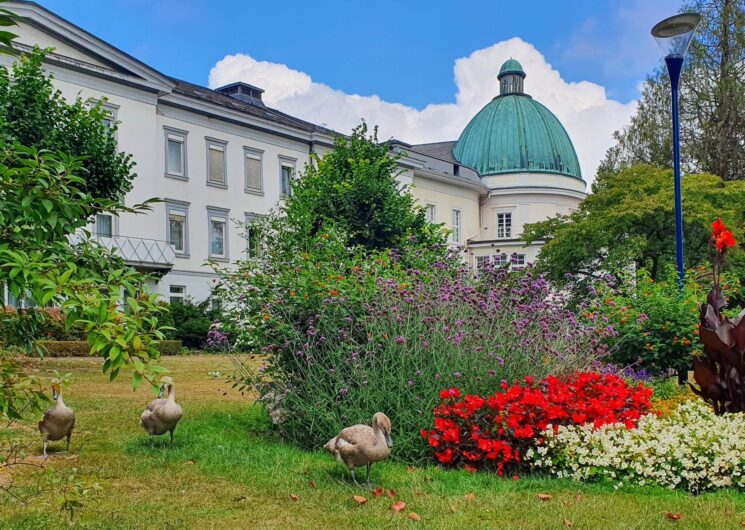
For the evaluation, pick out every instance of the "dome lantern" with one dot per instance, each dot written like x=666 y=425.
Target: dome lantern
x=511 y=77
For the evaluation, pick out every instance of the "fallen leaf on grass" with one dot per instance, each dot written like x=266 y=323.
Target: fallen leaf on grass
x=391 y=493
x=742 y=523
x=359 y=499
x=674 y=516
x=377 y=492
x=545 y=496
x=398 y=506
x=293 y=496
x=239 y=499
x=411 y=468
x=313 y=484
x=414 y=516
x=452 y=509
x=469 y=496
x=189 y=463
x=578 y=497
x=567 y=523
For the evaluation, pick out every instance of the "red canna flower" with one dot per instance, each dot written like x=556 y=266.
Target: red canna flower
x=725 y=240
x=717 y=227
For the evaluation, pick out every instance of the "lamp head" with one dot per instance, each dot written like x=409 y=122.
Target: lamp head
x=673 y=35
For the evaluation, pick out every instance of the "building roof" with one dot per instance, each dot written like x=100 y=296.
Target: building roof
x=514 y=133
x=213 y=96
x=511 y=66
x=441 y=150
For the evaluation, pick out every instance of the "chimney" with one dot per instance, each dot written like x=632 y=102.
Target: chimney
x=247 y=93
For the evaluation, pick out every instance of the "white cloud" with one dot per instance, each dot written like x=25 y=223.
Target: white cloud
x=588 y=114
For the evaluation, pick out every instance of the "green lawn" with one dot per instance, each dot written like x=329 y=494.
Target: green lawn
x=225 y=471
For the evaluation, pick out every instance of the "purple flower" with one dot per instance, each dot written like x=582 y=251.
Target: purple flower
x=410 y=382
x=458 y=375
x=400 y=340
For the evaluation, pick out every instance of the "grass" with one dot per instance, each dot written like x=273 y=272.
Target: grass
x=226 y=471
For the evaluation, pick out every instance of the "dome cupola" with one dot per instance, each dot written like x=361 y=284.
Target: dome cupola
x=514 y=133
x=511 y=77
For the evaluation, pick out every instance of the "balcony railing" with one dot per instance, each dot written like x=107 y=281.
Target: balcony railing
x=141 y=253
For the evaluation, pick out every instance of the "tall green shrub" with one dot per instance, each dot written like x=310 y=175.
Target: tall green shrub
x=354 y=187
x=34 y=113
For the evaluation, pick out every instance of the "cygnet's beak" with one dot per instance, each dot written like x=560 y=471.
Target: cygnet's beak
x=388 y=440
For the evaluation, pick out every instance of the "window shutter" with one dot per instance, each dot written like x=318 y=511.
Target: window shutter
x=253 y=173
x=217 y=165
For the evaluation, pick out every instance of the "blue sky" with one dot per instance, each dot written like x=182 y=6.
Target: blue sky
x=402 y=51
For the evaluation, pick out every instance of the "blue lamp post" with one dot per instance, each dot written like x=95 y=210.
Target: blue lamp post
x=673 y=35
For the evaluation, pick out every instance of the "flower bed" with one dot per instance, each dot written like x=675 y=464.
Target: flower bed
x=496 y=432
x=692 y=449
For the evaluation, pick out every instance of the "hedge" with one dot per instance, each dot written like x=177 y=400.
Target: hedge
x=81 y=348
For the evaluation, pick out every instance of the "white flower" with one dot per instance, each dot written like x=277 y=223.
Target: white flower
x=692 y=449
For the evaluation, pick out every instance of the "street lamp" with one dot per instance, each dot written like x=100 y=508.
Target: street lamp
x=673 y=35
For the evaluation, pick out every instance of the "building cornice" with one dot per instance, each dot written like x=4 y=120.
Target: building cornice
x=537 y=190
x=76 y=37
x=450 y=179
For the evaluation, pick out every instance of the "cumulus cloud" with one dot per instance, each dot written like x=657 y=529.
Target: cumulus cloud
x=583 y=107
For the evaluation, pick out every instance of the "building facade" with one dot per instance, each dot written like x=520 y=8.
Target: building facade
x=218 y=158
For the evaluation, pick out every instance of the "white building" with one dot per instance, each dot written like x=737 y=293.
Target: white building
x=216 y=157
x=219 y=157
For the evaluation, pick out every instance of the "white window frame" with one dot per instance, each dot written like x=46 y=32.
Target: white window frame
x=430 y=212
x=176 y=295
x=113 y=225
x=507 y=231
x=502 y=259
x=181 y=208
x=213 y=144
x=250 y=153
x=481 y=262
x=222 y=214
x=250 y=217
x=113 y=111
x=520 y=261
x=179 y=136
x=457 y=229
x=286 y=162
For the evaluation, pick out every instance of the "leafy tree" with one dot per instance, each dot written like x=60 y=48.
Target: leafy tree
x=629 y=219
x=712 y=102
x=42 y=204
x=354 y=187
x=34 y=113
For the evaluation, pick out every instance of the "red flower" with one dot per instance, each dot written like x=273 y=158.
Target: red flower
x=725 y=240
x=717 y=227
x=495 y=431
x=450 y=393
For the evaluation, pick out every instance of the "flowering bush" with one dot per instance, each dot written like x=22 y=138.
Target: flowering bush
x=656 y=329
x=691 y=449
x=497 y=431
x=345 y=335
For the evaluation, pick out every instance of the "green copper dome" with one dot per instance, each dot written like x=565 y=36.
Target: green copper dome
x=515 y=134
x=511 y=66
